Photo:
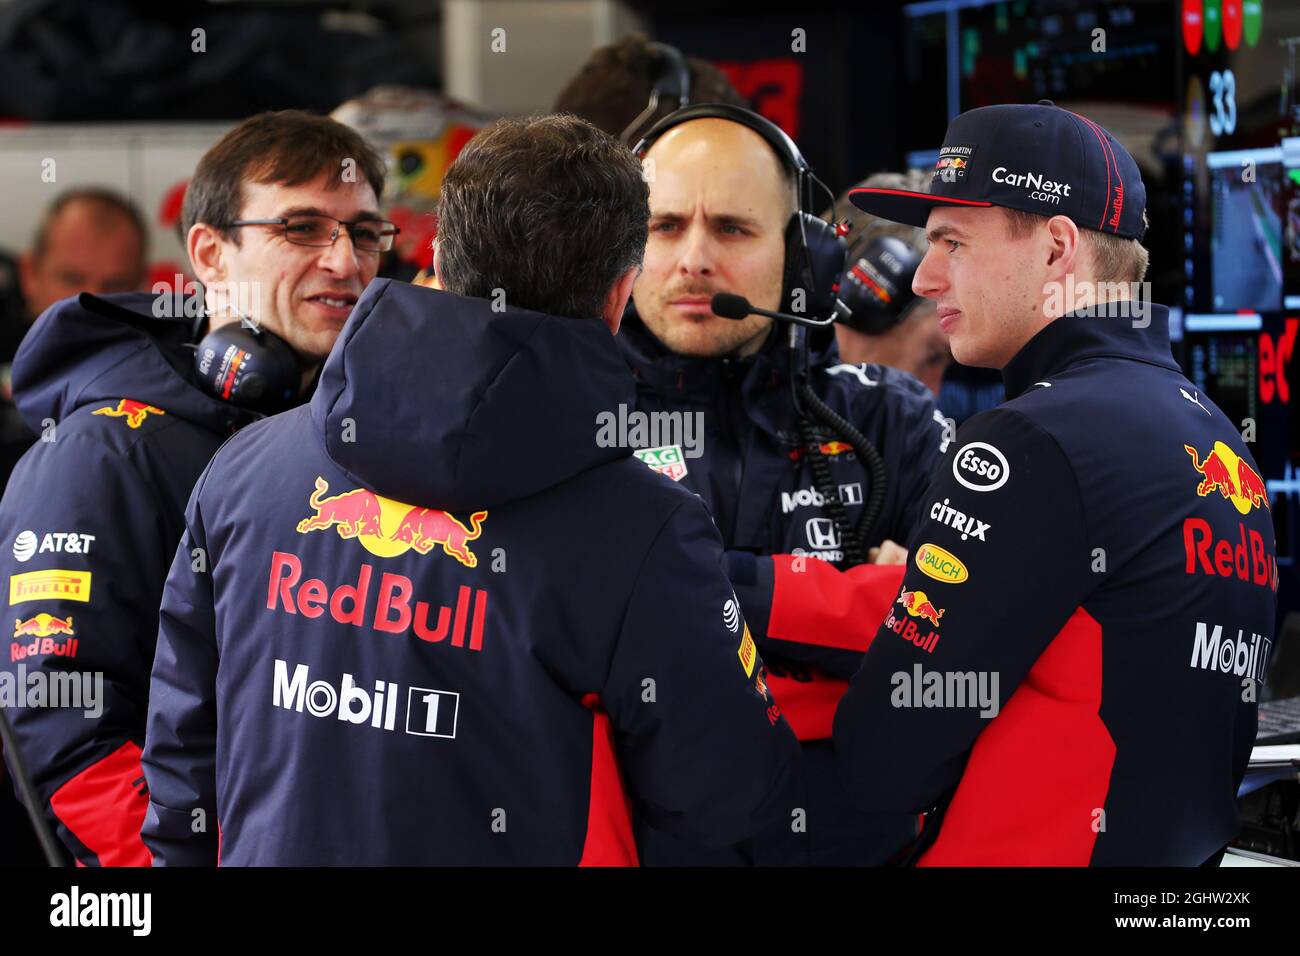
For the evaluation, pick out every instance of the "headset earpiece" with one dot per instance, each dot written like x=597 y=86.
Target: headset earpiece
x=250 y=368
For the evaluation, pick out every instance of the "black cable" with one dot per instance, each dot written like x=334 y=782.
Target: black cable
x=854 y=540
x=821 y=469
x=49 y=846
x=867 y=454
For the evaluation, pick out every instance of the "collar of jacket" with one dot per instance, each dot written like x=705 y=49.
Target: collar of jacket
x=1073 y=338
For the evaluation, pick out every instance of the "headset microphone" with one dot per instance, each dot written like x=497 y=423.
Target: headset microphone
x=728 y=305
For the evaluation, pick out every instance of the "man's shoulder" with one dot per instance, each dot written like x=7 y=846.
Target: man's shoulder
x=867 y=382
x=125 y=433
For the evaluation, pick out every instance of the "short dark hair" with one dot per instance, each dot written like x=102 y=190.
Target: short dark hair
x=290 y=147
x=111 y=205
x=1114 y=258
x=548 y=209
x=613 y=86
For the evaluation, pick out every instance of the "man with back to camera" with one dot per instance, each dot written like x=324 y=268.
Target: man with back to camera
x=92 y=516
x=1097 y=571
x=436 y=592
x=724 y=197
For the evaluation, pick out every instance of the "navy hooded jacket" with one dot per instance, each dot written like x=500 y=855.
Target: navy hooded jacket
x=89 y=524
x=439 y=623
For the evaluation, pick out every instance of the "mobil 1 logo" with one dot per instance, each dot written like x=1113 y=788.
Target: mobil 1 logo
x=429 y=712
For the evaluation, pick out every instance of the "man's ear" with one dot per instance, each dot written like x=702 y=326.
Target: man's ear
x=435 y=281
x=206 y=248
x=1063 y=246
x=616 y=299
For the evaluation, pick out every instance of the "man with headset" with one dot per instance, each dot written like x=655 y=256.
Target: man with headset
x=129 y=411
x=807 y=465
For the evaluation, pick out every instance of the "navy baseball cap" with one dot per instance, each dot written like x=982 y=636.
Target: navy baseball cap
x=1041 y=159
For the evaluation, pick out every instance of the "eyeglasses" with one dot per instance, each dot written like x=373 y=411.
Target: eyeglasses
x=368 y=235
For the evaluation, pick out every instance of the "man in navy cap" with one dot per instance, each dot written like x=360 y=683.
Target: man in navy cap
x=1068 y=674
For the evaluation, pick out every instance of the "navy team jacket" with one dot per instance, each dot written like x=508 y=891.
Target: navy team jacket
x=807 y=615
x=1102 y=546
x=431 y=619
x=88 y=526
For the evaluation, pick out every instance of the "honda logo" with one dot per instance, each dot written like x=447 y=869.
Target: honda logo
x=822 y=533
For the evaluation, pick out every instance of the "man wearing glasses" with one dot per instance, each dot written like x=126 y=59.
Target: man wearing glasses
x=283 y=231
x=287 y=233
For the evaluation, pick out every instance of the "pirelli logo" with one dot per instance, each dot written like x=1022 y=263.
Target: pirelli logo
x=747 y=653
x=49 y=585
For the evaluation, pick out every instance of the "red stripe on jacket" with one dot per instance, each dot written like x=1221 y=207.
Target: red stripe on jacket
x=1040 y=771
x=609 y=813
x=102 y=808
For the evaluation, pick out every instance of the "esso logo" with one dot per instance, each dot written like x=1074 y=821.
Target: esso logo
x=980 y=467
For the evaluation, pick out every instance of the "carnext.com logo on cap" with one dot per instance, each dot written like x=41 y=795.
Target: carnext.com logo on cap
x=1044 y=190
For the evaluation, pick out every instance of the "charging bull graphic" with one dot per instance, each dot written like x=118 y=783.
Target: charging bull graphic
x=1222 y=470
x=134 y=412
x=422 y=528
x=367 y=517
x=354 y=512
x=918 y=605
x=42 y=625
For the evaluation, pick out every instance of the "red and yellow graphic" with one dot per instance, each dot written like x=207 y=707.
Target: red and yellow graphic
x=366 y=516
x=1224 y=471
x=918 y=604
x=134 y=412
x=42 y=625
x=826 y=448
x=54 y=584
x=747 y=652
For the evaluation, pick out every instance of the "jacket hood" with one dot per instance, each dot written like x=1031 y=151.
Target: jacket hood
x=435 y=398
x=91 y=348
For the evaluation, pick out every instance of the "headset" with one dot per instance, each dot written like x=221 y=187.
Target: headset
x=876 y=290
x=243 y=364
x=815 y=250
x=672 y=80
x=247 y=366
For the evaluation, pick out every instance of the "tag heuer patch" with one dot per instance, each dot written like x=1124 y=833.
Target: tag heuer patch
x=666 y=459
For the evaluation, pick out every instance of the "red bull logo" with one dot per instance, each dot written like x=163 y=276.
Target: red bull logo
x=918 y=605
x=42 y=630
x=826 y=448
x=1224 y=471
x=367 y=517
x=396 y=609
x=1247 y=559
x=42 y=625
x=134 y=412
